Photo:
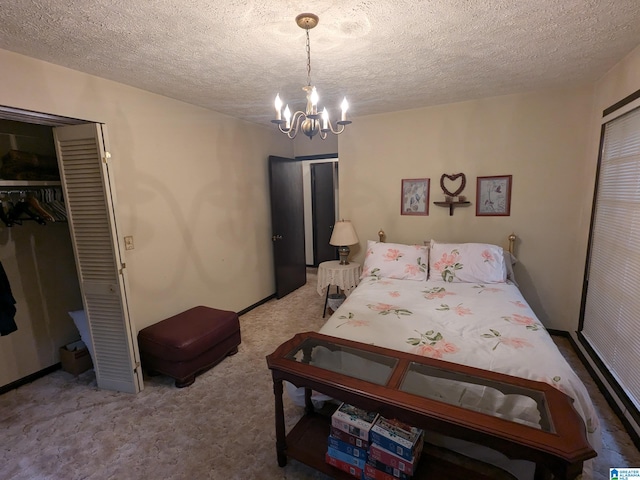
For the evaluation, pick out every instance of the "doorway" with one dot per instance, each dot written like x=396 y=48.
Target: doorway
x=320 y=206
x=287 y=224
x=303 y=211
x=324 y=178
x=82 y=156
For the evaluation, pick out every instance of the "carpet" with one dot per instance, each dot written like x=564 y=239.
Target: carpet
x=221 y=427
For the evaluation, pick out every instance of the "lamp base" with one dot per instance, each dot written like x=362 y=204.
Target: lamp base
x=343 y=253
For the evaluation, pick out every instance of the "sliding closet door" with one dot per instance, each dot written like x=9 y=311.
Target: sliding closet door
x=84 y=167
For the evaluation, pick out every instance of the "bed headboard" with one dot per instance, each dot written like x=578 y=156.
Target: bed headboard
x=512 y=241
x=511 y=238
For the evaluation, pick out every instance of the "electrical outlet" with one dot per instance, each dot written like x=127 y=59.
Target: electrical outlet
x=128 y=242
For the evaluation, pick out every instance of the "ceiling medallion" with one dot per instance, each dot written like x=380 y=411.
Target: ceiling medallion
x=310 y=122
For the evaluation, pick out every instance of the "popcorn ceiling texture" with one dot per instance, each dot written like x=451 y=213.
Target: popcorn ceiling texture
x=233 y=56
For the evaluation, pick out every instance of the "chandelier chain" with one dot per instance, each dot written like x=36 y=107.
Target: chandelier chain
x=308 y=59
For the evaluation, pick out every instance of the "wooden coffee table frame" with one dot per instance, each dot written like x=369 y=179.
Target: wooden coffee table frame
x=560 y=453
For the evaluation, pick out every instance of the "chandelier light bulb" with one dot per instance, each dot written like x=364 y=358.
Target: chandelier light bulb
x=278 y=104
x=325 y=119
x=314 y=97
x=345 y=107
x=287 y=116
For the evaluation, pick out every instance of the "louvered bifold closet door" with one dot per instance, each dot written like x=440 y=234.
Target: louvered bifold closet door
x=82 y=156
x=612 y=307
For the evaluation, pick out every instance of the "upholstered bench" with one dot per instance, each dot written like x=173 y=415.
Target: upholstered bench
x=189 y=343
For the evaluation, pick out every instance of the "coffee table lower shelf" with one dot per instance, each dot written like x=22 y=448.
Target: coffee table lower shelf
x=307 y=443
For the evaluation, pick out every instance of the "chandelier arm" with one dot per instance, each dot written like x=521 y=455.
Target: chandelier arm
x=288 y=133
x=297 y=118
x=295 y=124
x=334 y=131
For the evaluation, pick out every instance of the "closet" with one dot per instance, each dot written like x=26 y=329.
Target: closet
x=81 y=267
x=36 y=252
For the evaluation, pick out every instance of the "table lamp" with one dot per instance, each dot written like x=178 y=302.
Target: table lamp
x=343 y=235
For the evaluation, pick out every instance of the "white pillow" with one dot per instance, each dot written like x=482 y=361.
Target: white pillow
x=395 y=260
x=467 y=263
x=80 y=319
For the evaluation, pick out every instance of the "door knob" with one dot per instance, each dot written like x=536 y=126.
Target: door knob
x=276 y=237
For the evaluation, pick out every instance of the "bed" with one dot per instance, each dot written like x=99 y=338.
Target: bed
x=459 y=303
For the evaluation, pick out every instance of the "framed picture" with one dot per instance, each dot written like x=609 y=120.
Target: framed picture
x=493 y=196
x=415 y=196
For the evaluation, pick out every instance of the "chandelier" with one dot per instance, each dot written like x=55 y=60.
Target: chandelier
x=310 y=122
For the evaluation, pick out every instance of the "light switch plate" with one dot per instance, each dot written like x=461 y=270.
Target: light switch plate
x=128 y=242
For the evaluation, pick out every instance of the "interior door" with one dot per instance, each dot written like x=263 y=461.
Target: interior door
x=323 y=205
x=90 y=199
x=287 y=222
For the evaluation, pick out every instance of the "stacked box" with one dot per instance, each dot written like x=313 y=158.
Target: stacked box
x=374 y=470
x=353 y=420
x=394 y=450
x=397 y=437
x=390 y=459
x=348 y=449
x=344 y=466
x=349 y=439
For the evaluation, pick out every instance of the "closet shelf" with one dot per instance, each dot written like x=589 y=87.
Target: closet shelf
x=30 y=183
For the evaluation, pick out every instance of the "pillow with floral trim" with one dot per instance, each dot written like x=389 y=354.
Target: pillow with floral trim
x=467 y=263
x=395 y=260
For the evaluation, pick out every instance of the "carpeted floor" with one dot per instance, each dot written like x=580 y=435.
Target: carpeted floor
x=221 y=427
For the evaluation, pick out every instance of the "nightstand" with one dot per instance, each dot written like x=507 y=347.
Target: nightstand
x=344 y=277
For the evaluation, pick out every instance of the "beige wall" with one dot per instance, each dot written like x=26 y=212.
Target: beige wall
x=304 y=147
x=190 y=188
x=39 y=264
x=539 y=138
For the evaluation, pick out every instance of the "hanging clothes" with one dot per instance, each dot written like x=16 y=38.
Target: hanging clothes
x=7 y=305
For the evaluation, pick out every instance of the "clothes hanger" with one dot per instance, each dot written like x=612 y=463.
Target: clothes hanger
x=3 y=213
x=23 y=207
x=33 y=203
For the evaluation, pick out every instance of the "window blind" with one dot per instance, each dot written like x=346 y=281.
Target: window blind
x=611 y=321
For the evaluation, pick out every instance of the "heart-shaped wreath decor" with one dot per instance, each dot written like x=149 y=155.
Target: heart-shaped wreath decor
x=453 y=178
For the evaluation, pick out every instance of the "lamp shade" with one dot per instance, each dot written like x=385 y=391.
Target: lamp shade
x=343 y=234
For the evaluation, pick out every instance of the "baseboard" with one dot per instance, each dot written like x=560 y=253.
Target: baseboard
x=257 y=304
x=604 y=390
x=561 y=333
x=30 y=378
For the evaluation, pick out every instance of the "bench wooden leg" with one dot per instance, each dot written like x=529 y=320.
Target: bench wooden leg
x=185 y=382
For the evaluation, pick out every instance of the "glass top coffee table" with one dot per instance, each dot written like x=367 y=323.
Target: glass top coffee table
x=432 y=394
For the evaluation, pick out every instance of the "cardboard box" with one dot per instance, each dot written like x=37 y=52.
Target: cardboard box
x=353 y=420
x=397 y=437
x=76 y=361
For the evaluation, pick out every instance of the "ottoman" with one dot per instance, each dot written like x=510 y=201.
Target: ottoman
x=189 y=343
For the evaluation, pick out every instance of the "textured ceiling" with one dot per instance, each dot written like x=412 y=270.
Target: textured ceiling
x=233 y=56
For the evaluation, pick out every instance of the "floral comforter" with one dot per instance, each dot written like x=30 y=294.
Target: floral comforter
x=486 y=326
